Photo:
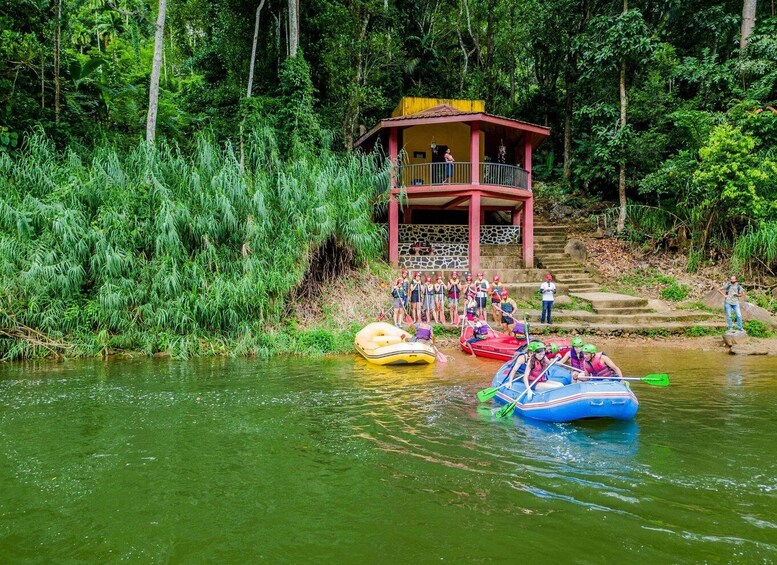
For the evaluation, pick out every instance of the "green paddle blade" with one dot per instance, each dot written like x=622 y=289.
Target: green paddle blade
x=506 y=411
x=487 y=393
x=658 y=379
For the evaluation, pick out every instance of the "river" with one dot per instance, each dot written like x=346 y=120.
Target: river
x=338 y=461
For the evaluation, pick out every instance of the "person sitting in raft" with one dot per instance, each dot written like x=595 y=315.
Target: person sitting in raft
x=574 y=357
x=531 y=364
x=596 y=365
x=398 y=293
x=423 y=332
x=551 y=350
x=507 y=307
x=479 y=332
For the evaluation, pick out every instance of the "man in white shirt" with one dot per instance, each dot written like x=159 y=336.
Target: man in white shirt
x=547 y=289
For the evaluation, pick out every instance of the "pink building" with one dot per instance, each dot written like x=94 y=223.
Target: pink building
x=483 y=196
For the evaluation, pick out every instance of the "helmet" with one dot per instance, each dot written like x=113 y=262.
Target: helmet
x=504 y=293
x=589 y=348
x=553 y=348
x=577 y=342
x=399 y=281
x=480 y=275
x=404 y=272
x=469 y=277
x=455 y=274
x=548 y=277
x=428 y=278
x=535 y=346
x=417 y=274
x=496 y=278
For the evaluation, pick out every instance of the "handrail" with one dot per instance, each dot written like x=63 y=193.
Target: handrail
x=431 y=174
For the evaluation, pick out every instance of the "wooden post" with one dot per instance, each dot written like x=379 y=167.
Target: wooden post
x=474 y=232
x=528 y=232
x=393 y=231
x=408 y=213
x=474 y=151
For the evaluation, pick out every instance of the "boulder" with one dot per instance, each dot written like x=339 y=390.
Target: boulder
x=576 y=249
x=713 y=299
x=747 y=349
x=563 y=299
x=734 y=337
x=561 y=212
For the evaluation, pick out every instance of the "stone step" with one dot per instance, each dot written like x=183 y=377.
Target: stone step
x=665 y=328
x=611 y=300
x=577 y=289
x=548 y=249
x=625 y=310
x=490 y=250
x=529 y=290
x=501 y=263
x=595 y=318
x=550 y=238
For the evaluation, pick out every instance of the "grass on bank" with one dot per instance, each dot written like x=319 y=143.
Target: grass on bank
x=153 y=250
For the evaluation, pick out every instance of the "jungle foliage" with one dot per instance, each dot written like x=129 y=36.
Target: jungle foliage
x=669 y=97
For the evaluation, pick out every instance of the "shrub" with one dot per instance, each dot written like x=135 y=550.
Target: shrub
x=675 y=292
x=756 y=328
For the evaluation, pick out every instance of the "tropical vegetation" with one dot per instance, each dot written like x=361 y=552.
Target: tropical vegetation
x=250 y=110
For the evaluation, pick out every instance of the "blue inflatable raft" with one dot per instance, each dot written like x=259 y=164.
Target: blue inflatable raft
x=573 y=401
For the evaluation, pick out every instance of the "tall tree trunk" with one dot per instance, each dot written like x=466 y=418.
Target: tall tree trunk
x=568 y=107
x=748 y=22
x=353 y=105
x=42 y=78
x=622 y=173
x=57 y=51
x=293 y=27
x=156 y=69
x=253 y=50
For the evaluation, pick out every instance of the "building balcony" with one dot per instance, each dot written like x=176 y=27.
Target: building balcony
x=460 y=173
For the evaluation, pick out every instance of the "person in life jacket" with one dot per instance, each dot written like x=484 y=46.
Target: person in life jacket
x=531 y=364
x=551 y=351
x=479 y=332
x=574 y=357
x=439 y=301
x=406 y=285
x=596 y=365
x=495 y=290
x=398 y=293
x=506 y=307
x=416 y=292
x=454 y=292
x=471 y=307
x=428 y=298
x=423 y=332
x=481 y=294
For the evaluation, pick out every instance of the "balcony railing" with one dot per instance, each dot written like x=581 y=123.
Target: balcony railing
x=428 y=174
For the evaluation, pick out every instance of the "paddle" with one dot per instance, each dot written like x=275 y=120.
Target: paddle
x=510 y=408
x=655 y=379
x=440 y=357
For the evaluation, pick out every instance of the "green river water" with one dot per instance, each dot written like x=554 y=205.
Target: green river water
x=338 y=461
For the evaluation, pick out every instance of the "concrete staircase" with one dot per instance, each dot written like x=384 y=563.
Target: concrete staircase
x=609 y=312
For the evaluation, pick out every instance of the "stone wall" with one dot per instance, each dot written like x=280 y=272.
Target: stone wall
x=447 y=249
x=433 y=263
x=457 y=234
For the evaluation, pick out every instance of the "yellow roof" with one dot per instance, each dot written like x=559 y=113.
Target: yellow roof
x=412 y=105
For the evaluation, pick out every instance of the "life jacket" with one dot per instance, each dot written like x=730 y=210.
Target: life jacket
x=597 y=368
x=423 y=333
x=537 y=368
x=439 y=289
x=481 y=287
x=507 y=307
x=454 y=291
x=398 y=292
x=415 y=291
x=496 y=293
x=575 y=361
x=481 y=331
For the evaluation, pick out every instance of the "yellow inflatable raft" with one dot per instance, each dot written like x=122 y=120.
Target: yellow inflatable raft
x=383 y=344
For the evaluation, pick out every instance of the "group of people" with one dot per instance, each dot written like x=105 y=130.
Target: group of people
x=420 y=298
x=585 y=361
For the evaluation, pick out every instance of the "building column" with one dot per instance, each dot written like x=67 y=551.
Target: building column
x=393 y=153
x=527 y=162
x=474 y=151
x=474 y=232
x=527 y=233
x=393 y=219
x=515 y=216
x=408 y=215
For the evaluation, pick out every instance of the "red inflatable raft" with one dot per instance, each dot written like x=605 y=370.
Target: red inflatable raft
x=500 y=345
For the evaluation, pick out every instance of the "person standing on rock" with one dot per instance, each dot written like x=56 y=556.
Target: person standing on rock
x=548 y=290
x=732 y=292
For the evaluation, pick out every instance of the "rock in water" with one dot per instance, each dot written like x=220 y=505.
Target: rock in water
x=734 y=337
